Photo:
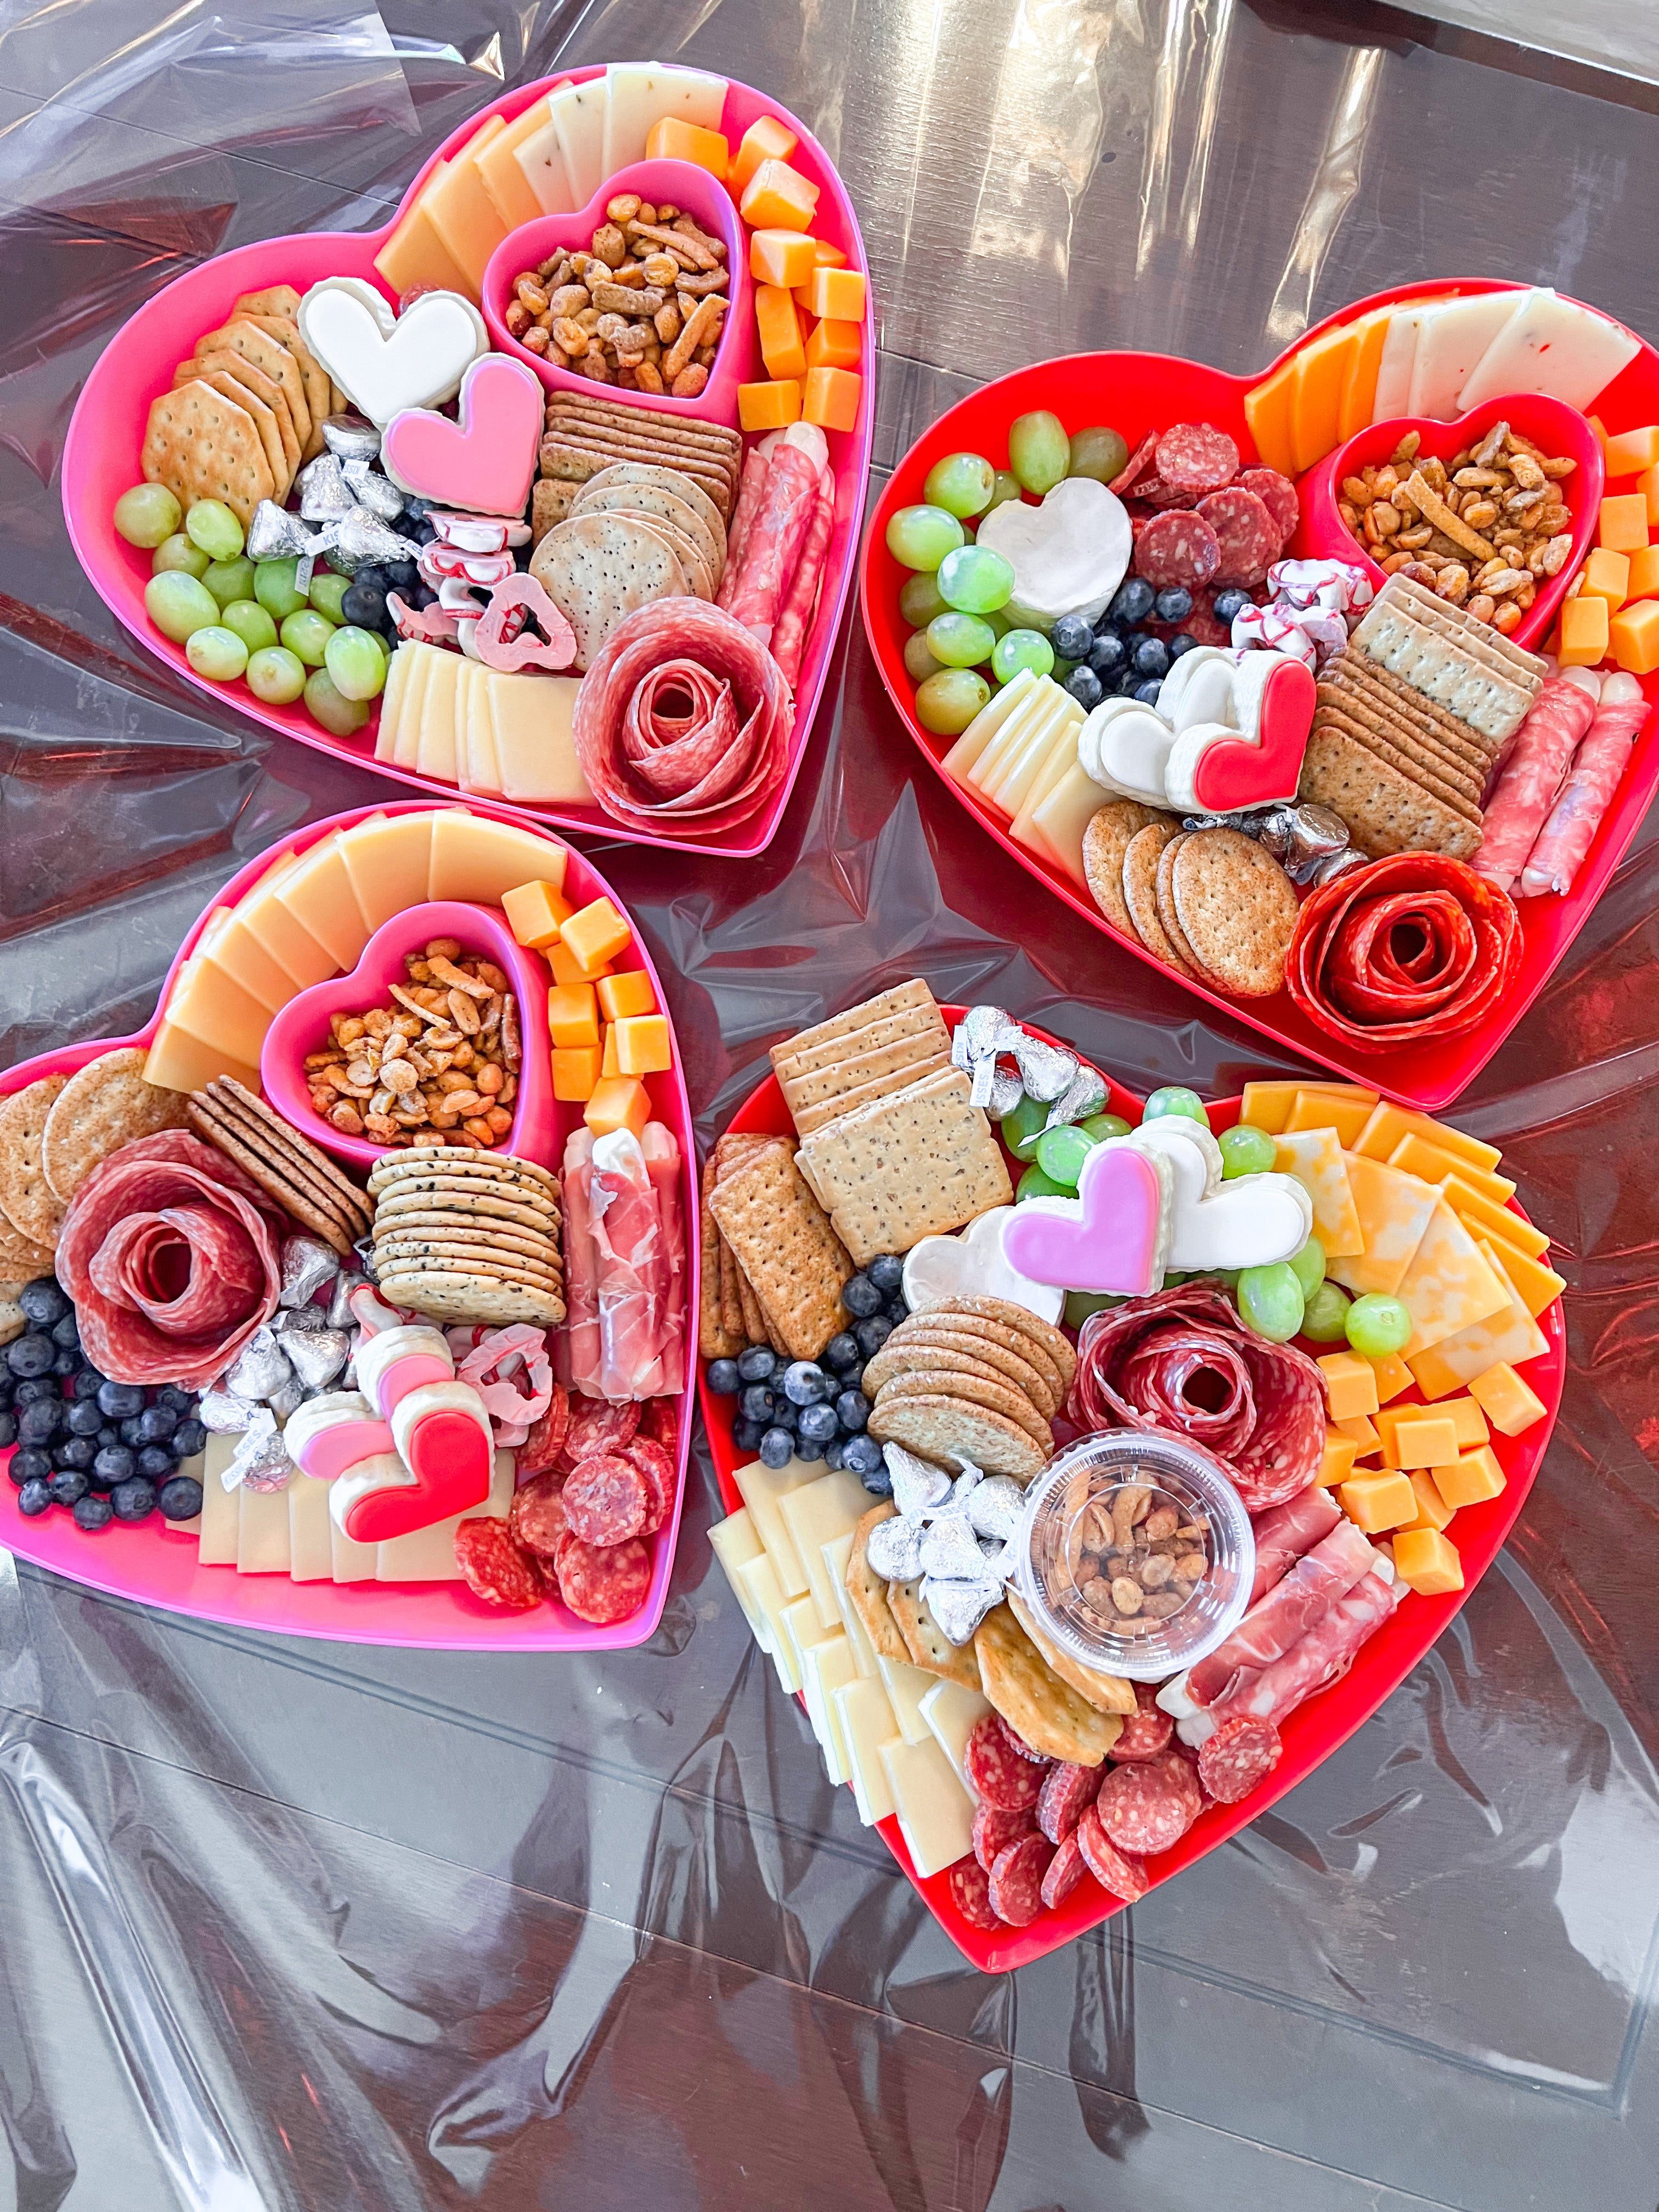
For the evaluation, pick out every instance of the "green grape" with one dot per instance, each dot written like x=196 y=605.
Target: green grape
x=1326 y=1317
x=177 y=553
x=354 y=668
x=959 y=641
x=920 y=537
x=178 y=603
x=1102 y=1126
x=1172 y=1099
x=1022 y=1128
x=147 y=515
x=1034 y=1184
x=252 y=623
x=213 y=526
x=273 y=587
x=947 y=702
x=338 y=715
x=976 y=579
x=384 y=643
x=275 y=675
x=1039 y=451
x=1245 y=1151
x=1080 y=1305
x=1061 y=1151
x=229 y=580
x=1021 y=648
x=1378 y=1325
x=327 y=589
x=962 y=483
x=920 y=600
x=306 y=634
x=1308 y=1265
x=1007 y=487
x=1270 y=1301
x=919 y=662
x=1098 y=452
x=216 y=653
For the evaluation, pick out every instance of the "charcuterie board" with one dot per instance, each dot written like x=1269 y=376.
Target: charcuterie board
x=472 y=1252
x=786 y=1499
x=744 y=332
x=1392 y=784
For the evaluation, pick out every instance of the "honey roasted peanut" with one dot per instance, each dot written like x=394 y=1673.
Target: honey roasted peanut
x=442 y=1057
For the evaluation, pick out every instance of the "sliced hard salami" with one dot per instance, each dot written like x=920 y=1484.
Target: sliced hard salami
x=599 y=1424
x=538 y=1518
x=1206 y=627
x=1068 y=1791
x=1140 y=465
x=1278 y=494
x=970 y=1892
x=606 y=1500
x=659 y=1419
x=655 y=1463
x=1147 y=1732
x=541 y=1447
x=496 y=1569
x=995 y=1827
x=1177 y=547
x=1239 y=1757
x=1016 y=1883
x=996 y=1772
x=1157 y=492
x=1246 y=532
x=1119 y=1873
x=603 y=1585
x=1148 y=1808
x=1065 y=1869
x=1196 y=456
x=1017 y=1742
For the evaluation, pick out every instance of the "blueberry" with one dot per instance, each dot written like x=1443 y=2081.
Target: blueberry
x=777 y=1448
x=841 y=1352
x=1227 y=604
x=8 y=1429
x=74 y=1451
x=784 y=1414
x=1173 y=603
x=861 y=1296
x=180 y=1400
x=66 y=1484
x=862 y=1456
x=873 y=1335
x=808 y=1448
x=852 y=1409
x=92 y=1514
x=156 y=1423
x=67 y=1361
x=896 y=1310
x=31 y=1392
x=156 y=1462
x=758 y=1364
x=886 y=1272
x=189 y=1438
x=120 y=1400
x=757 y=1402
x=1133 y=601
x=7 y=1387
x=1150 y=692
x=29 y=1465
x=1181 y=643
x=1070 y=637
x=1106 y=653
x=134 y=1500
x=1124 y=683
x=364 y=605
x=746 y=1435
x=805 y=1383
x=108 y=1435
x=115 y=1463
x=422 y=530
x=180 y=1500
x=38 y=1422
x=83 y=1419
x=853 y=1377
x=66 y=1333
x=723 y=1378
x=834 y=1455
x=1152 y=657
x=128 y=1430
x=87 y=1383
x=32 y=1499
x=423 y=596
x=370 y=573
x=400 y=575
x=1086 y=687
x=31 y=1355
x=44 y=1301
x=817 y=1424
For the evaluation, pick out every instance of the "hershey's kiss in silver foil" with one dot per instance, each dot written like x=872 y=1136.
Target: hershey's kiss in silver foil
x=1085 y=1095
x=261 y=1461
x=894 y=1548
x=340 y=1315
x=317 y=1356
x=274 y=533
x=1299 y=835
x=918 y=1485
x=350 y=437
x=995 y=1507
x=1006 y=1092
x=299 y=1321
x=377 y=493
x=324 y=494
x=359 y=537
x=222 y=1415
x=959 y=1606
x=949 y=1549
x=307 y=1265
x=287 y=1398
x=260 y=1368
x=1334 y=865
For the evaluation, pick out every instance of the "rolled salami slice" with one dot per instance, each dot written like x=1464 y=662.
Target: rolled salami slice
x=789 y=637
x=774 y=541
x=1323 y=1656
x=743 y=519
x=1598 y=768
x=1542 y=747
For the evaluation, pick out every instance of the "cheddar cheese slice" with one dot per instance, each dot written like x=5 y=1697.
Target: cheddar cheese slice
x=1449 y=1286
x=1359 y=376
x=1512 y=1336
x=1316 y=394
x=1315 y=1158
x=1394 y=1210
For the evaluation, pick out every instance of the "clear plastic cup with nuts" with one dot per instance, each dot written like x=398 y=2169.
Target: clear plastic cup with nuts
x=1135 y=1554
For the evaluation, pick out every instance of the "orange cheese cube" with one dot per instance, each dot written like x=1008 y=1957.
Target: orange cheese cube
x=835 y=345
x=1471 y=1479
x=642 y=1045
x=823 y=256
x=1643 y=572
x=1584 y=626
x=838 y=294
x=1623 y=522
x=1392 y=1376
x=619 y=1103
x=782 y=256
x=779 y=327
x=594 y=934
x=1337 y=1465
x=1510 y=1403
x=765 y=140
x=771 y=406
x=778 y=198
x=1631 y=450
x=1607 y=574
x=670 y=138
x=576 y=1072
x=1467 y=1417
x=1351 y=1384
x=535 y=913
x=573 y=1019
x=1419 y=1438
x=1376 y=1501
x=567 y=969
x=1427 y=1563
x=628 y=993
x=1362 y=1432
x=608 y=1061
x=1648 y=484
x=1432 y=1510
x=831 y=399
x=1633 y=635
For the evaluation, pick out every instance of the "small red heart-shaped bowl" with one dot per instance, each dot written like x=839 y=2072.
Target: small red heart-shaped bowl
x=681 y=185
x=1557 y=429
x=302 y=1026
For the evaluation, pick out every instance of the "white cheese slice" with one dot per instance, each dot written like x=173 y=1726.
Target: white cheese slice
x=757 y=1579
x=262 y=1546
x=541 y=157
x=734 y=1544
x=836 y=1554
x=640 y=94
x=906 y=1686
x=1394 y=371
x=578 y=112
x=829 y=1668
x=867 y=1725
x=1451 y=336
x=353 y=1563
x=1057 y=765
x=476 y=739
x=1055 y=735
x=935 y=1813
x=813 y=1513
x=311 y=1550
x=1061 y=819
x=1551 y=345
x=986 y=724
x=763 y=1488
x=1032 y=711
x=221 y=1512
x=428 y=1555
x=950 y=1711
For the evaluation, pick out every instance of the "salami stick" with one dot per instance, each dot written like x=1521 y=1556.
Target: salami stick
x=1559 y=718
x=789 y=637
x=1597 y=769
x=749 y=499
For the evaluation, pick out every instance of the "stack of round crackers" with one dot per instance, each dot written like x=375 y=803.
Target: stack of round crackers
x=1213 y=904
x=468 y=1237
x=972 y=1379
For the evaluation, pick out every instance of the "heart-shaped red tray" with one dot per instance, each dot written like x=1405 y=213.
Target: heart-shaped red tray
x=1137 y=392
x=106 y=431
x=1316 y=1730
x=152 y=1565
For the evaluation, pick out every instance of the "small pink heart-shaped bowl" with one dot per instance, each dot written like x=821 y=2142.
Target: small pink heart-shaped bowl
x=681 y=185
x=302 y=1026
x=1555 y=429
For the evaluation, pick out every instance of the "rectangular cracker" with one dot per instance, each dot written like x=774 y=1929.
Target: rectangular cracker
x=1385 y=812
x=926 y=1644
x=868 y=1589
x=1395 y=746
x=809 y=1120
x=1043 y=1710
x=573 y=459
x=1487 y=643
x=715 y=1340
x=918 y=1163
x=549 y=503
x=716 y=438
x=1455 y=742
x=910 y=1026
x=909 y=997
x=1107 y=1693
x=782 y=1240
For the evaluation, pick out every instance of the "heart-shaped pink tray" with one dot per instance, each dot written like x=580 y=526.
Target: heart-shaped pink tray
x=106 y=431
x=1316 y=1730
x=1142 y=391
x=151 y=1566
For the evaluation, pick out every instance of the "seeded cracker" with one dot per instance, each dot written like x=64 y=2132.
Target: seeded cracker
x=106 y=1105
x=929 y=1339
x=1238 y=907
x=782 y=1240
x=992 y=1393
x=801 y=1050
x=919 y=1163
x=1042 y=1709
x=926 y=1644
x=26 y=1199
x=597 y=567
x=949 y=1429
x=1164 y=898
x=715 y=1340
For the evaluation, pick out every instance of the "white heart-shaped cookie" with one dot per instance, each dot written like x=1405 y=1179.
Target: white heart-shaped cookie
x=972 y=1265
x=1068 y=556
x=1252 y=1221
x=1124 y=747
x=1197 y=689
x=383 y=362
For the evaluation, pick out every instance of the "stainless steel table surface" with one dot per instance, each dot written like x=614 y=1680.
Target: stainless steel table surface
x=297 y=1924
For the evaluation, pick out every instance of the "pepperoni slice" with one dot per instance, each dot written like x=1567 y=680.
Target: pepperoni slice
x=1119 y=1872
x=1196 y=456
x=1068 y=1791
x=1065 y=1869
x=606 y=1499
x=1278 y=494
x=1017 y=1742
x=996 y=1827
x=496 y=1569
x=1146 y=1809
x=1016 y=1883
x=1140 y=466
x=656 y=1465
x=1239 y=1757
x=970 y=1892
x=1177 y=547
x=997 y=1772
x=602 y=1585
x=537 y=1520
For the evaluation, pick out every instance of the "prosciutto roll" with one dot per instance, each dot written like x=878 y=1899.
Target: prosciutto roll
x=1544 y=744
x=1597 y=770
x=1319 y=1657
x=1290 y=1610
x=1284 y=1532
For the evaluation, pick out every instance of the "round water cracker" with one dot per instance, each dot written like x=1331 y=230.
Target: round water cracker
x=1104 y=840
x=998 y=1396
x=1141 y=859
x=672 y=480
x=21 y=1259
x=1164 y=898
x=984 y=1344
x=1050 y=1346
x=418 y=1205
x=946 y=1429
x=26 y=1199
x=645 y=498
x=105 y=1105
x=1238 y=907
x=410 y=1159
x=687 y=551
x=597 y=567
x=461 y=1298
x=291 y=1197
x=295 y=1157
x=915 y=1357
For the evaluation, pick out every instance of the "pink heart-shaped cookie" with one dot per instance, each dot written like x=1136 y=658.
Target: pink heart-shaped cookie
x=1233 y=772
x=485 y=463
x=1111 y=1237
